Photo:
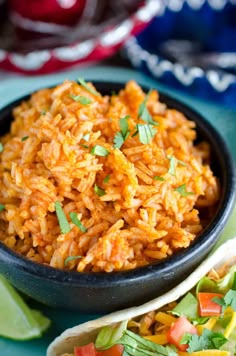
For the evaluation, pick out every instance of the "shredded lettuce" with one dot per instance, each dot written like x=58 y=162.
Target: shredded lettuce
x=188 y=307
x=109 y=335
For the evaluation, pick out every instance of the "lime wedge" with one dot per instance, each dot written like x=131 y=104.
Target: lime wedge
x=17 y=320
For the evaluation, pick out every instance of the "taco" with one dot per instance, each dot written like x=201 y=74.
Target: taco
x=198 y=317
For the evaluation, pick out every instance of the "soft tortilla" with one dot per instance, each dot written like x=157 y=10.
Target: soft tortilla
x=87 y=332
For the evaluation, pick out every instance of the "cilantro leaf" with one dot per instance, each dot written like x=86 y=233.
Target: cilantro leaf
x=1 y=147
x=87 y=87
x=118 y=140
x=171 y=170
x=159 y=178
x=100 y=151
x=2 y=207
x=77 y=222
x=86 y=137
x=124 y=127
x=106 y=179
x=143 y=112
x=182 y=191
x=229 y=300
x=209 y=340
x=71 y=258
x=81 y=99
x=99 y=191
x=123 y=134
x=84 y=146
x=64 y=225
x=146 y=133
x=24 y=138
x=43 y=112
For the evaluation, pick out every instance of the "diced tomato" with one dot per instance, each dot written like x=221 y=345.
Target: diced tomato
x=206 y=305
x=87 y=350
x=116 y=350
x=177 y=331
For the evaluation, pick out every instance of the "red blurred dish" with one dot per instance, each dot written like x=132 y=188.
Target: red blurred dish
x=62 y=33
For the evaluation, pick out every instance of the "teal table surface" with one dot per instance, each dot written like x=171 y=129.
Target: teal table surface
x=10 y=89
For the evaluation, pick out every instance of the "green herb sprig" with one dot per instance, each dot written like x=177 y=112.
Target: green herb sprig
x=87 y=87
x=81 y=99
x=209 y=340
x=182 y=191
x=77 y=222
x=123 y=134
x=98 y=150
x=63 y=223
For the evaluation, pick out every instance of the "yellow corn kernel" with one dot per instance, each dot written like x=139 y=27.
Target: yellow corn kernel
x=165 y=318
x=205 y=353
x=160 y=339
x=231 y=326
x=208 y=325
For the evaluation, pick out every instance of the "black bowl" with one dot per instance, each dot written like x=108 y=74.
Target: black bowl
x=105 y=292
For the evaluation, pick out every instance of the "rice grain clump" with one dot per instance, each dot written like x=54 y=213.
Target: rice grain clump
x=98 y=183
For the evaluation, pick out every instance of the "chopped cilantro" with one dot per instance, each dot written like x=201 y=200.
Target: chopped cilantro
x=100 y=151
x=81 y=99
x=209 y=340
x=106 y=179
x=43 y=112
x=24 y=138
x=123 y=134
x=85 y=146
x=146 y=133
x=64 y=225
x=86 y=137
x=87 y=87
x=71 y=258
x=99 y=191
x=118 y=140
x=77 y=222
x=2 y=207
x=158 y=178
x=229 y=300
x=143 y=112
x=182 y=191
x=1 y=147
x=171 y=170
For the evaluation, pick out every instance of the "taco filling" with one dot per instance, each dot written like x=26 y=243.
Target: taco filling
x=202 y=323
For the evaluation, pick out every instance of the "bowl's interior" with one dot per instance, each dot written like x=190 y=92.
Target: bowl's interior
x=222 y=166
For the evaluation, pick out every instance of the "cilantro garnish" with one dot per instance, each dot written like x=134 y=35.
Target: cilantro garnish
x=123 y=134
x=99 y=191
x=71 y=258
x=229 y=300
x=43 y=112
x=172 y=165
x=158 y=178
x=81 y=99
x=87 y=87
x=106 y=179
x=143 y=112
x=85 y=146
x=1 y=147
x=182 y=191
x=173 y=161
x=86 y=137
x=77 y=222
x=146 y=133
x=24 y=138
x=100 y=151
x=64 y=225
x=209 y=340
x=2 y=207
